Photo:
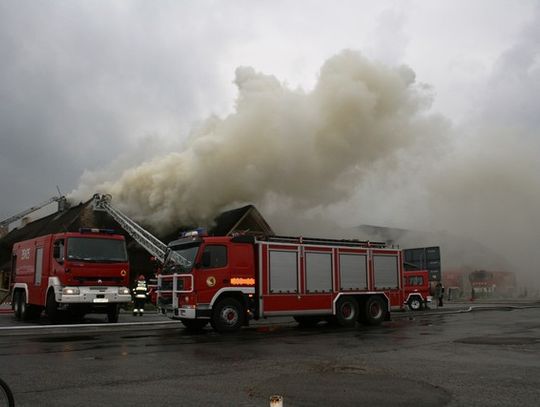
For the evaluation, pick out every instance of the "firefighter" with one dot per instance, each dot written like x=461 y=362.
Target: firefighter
x=439 y=294
x=139 y=296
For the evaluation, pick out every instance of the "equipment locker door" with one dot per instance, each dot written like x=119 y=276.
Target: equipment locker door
x=285 y=288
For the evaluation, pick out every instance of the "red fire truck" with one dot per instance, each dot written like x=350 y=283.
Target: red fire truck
x=228 y=280
x=83 y=272
x=416 y=289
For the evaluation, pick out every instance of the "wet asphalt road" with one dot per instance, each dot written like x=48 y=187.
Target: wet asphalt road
x=487 y=357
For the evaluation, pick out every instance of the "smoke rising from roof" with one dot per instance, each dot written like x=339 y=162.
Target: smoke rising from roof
x=305 y=148
x=361 y=147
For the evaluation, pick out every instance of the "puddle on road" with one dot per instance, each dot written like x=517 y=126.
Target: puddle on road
x=139 y=336
x=57 y=339
x=486 y=340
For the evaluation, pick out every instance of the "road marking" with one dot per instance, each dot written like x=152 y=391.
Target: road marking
x=105 y=324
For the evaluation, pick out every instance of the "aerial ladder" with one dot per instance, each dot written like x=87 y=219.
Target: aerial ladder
x=6 y=222
x=149 y=242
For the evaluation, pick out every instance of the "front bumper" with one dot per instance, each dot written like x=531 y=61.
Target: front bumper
x=185 y=313
x=93 y=295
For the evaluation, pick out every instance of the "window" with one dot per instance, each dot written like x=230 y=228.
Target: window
x=416 y=280
x=214 y=256
x=59 y=250
x=96 y=250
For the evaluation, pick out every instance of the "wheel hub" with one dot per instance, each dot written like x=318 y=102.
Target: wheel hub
x=229 y=315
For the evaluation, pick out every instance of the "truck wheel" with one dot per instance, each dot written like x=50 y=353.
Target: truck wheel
x=16 y=305
x=112 y=313
x=346 y=311
x=415 y=303
x=51 y=307
x=194 y=325
x=374 y=310
x=305 y=321
x=25 y=309
x=227 y=315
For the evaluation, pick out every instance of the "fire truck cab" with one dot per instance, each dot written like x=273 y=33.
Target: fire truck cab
x=85 y=271
x=416 y=289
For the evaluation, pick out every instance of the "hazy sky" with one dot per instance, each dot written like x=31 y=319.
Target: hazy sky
x=87 y=84
x=90 y=89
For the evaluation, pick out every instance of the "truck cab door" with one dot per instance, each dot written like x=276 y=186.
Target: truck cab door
x=213 y=271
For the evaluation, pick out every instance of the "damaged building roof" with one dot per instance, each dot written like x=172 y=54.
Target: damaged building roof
x=246 y=219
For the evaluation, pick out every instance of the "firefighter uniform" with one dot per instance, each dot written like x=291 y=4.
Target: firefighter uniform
x=139 y=296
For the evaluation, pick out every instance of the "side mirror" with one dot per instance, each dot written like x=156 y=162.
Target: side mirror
x=57 y=254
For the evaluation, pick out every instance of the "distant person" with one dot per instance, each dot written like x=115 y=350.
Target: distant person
x=439 y=294
x=140 y=292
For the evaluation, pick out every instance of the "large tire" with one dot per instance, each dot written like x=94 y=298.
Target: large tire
x=307 y=321
x=16 y=304
x=227 y=316
x=6 y=395
x=375 y=310
x=194 y=325
x=24 y=307
x=51 y=307
x=113 y=311
x=415 y=303
x=346 y=311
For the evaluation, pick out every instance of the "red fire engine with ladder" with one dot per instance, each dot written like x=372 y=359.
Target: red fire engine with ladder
x=227 y=280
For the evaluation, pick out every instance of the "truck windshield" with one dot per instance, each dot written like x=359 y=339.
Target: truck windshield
x=185 y=260
x=96 y=250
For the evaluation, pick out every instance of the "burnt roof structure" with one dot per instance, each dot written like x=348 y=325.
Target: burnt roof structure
x=246 y=219
x=71 y=220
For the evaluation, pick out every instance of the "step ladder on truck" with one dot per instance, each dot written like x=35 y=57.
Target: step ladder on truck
x=160 y=252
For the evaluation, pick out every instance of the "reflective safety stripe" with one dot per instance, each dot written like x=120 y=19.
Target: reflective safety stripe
x=140 y=296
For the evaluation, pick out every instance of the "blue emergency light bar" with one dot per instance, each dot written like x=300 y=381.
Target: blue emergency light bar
x=96 y=230
x=194 y=233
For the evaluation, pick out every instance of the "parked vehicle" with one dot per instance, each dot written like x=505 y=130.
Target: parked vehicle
x=79 y=272
x=229 y=280
x=417 y=289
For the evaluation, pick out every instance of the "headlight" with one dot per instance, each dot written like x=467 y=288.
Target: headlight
x=123 y=291
x=71 y=291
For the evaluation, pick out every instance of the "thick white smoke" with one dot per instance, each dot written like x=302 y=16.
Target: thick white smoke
x=284 y=147
x=360 y=148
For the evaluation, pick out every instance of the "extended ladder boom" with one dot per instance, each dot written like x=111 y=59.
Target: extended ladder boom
x=148 y=241
x=10 y=220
